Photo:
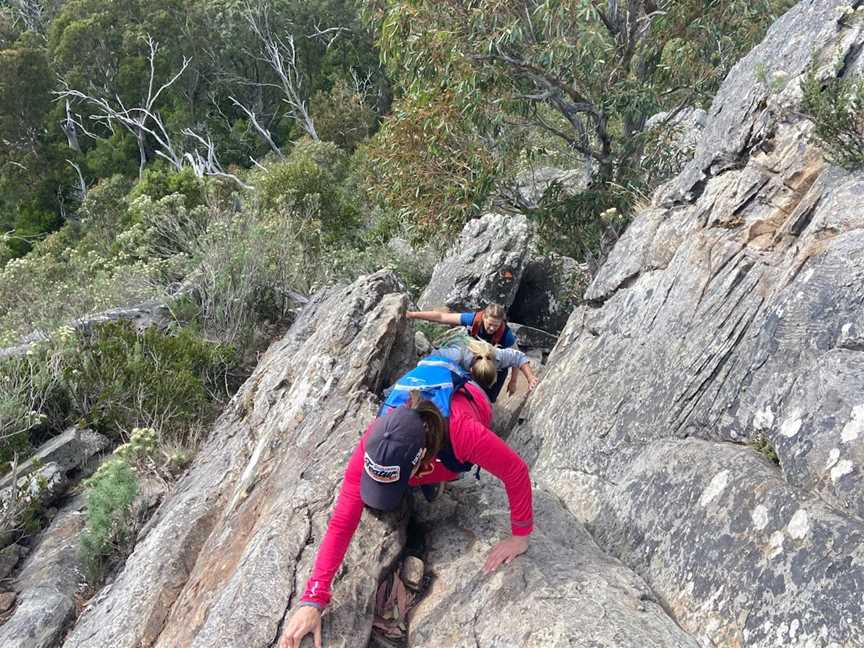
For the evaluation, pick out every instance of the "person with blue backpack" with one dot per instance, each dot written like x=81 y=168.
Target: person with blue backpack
x=488 y=325
x=433 y=426
x=482 y=362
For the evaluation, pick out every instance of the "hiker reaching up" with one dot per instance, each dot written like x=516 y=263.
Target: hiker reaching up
x=488 y=325
x=415 y=445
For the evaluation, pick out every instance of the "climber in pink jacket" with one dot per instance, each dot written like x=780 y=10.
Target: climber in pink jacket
x=412 y=446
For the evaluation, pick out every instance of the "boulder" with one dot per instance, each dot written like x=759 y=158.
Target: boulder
x=142 y=316
x=69 y=450
x=422 y=344
x=9 y=557
x=485 y=266
x=228 y=554
x=411 y=572
x=529 y=338
x=724 y=328
x=563 y=592
x=551 y=287
x=47 y=584
x=7 y=600
x=40 y=488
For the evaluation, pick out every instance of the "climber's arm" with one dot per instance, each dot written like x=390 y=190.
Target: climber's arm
x=452 y=319
x=343 y=523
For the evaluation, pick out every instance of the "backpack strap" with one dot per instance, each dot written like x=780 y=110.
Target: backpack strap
x=476 y=324
x=446 y=455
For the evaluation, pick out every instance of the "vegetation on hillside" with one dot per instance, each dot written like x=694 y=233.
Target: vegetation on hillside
x=228 y=157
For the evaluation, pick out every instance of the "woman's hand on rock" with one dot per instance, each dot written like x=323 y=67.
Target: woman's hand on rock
x=504 y=552
x=303 y=621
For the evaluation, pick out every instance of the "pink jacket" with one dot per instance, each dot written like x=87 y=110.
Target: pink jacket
x=472 y=441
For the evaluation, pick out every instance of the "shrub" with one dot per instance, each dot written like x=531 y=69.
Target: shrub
x=110 y=526
x=32 y=402
x=119 y=379
x=763 y=446
x=306 y=188
x=836 y=107
x=45 y=290
x=583 y=226
x=342 y=116
x=160 y=181
x=427 y=169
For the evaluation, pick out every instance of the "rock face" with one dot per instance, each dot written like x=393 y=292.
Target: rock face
x=69 y=450
x=47 y=584
x=730 y=312
x=550 y=289
x=685 y=127
x=228 y=554
x=225 y=557
x=564 y=592
x=485 y=266
x=142 y=316
x=493 y=261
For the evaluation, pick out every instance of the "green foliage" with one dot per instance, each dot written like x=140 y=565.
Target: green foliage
x=119 y=379
x=486 y=71
x=307 y=185
x=835 y=107
x=427 y=170
x=109 y=531
x=32 y=402
x=57 y=282
x=25 y=97
x=583 y=226
x=764 y=447
x=159 y=182
x=342 y=115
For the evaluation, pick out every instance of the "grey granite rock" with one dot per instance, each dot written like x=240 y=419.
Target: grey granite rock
x=228 y=554
x=726 y=326
x=526 y=190
x=9 y=557
x=564 y=592
x=69 y=450
x=485 y=266
x=47 y=584
x=550 y=288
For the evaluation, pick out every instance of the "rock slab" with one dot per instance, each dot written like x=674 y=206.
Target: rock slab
x=564 y=592
x=226 y=556
x=726 y=327
x=486 y=265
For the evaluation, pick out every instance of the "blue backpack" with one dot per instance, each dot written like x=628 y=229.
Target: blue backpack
x=436 y=379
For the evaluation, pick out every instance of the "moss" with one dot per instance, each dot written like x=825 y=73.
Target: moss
x=764 y=447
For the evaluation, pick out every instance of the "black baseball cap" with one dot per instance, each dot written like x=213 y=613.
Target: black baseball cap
x=394 y=447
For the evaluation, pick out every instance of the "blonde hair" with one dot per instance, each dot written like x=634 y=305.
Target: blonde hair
x=484 y=369
x=435 y=424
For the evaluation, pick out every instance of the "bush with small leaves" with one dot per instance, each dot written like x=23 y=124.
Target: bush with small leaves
x=120 y=379
x=836 y=108
x=109 y=531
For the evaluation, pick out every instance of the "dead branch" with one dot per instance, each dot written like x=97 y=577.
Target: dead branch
x=280 y=53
